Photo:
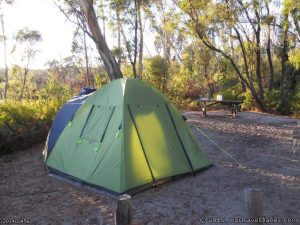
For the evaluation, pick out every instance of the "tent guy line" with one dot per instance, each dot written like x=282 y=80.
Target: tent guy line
x=216 y=144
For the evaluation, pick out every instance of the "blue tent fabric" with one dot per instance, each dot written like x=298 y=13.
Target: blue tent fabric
x=66 y=114
x=86 y=91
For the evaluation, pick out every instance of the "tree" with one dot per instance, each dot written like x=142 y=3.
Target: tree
x=10 y=2
x=66 y=71
x=210 y=19
x=141 y=42
x=293 y=8
x=268 y=20
x=3 y=39
x=79 y=47
x=84 y=12
x=155 y=71
x=130 y=26
x=201 y=62
x=101 y=10
x=255 y=23
x=26 y=39
x=290 y=13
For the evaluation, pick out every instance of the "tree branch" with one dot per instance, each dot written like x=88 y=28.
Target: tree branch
x=77 y=23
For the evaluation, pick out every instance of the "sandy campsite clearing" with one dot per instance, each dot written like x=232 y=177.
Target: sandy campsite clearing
x=261 y=143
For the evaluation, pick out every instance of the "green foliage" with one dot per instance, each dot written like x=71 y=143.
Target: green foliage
x=15 y=85
x=100 y=79
x=19 y=116
x=272 y=99
x=294 y=58
x=156 y=71
x=28 y=36
x=295 y=102
x=231 y=89
x=196 y=42
x=290 y=6
x=178 y=90
x=249 y=103
x=51 y=98
x=158 y=67
x=126 y=70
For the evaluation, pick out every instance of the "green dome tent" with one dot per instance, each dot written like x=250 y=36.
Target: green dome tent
x=124 y=136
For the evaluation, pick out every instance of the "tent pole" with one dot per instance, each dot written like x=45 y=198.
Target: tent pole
x=181 y=143
x=112 y=112
x=132 y=118
x=86 y=120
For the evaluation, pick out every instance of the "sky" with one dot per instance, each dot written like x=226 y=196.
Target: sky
x=44 y=16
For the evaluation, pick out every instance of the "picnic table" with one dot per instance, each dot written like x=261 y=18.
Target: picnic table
x=232 y=105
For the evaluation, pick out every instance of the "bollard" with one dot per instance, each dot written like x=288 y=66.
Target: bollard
x=123 y=214
x=253 y=205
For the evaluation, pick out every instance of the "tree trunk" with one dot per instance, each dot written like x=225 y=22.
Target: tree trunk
x=293 y=81
x=258 y=58
x=244 y=54
x=284 y=59
x=119 y=37
x=6 y=82
x=165 y=78
x=5 y=59
x=24 y=83
x=136 y=6
x=103 y=19
x=296 y=22
x=132 y=61
x=165 y=39
x=208 y=80
x=87 y=70
x=268 y=49
x=244 y=88
x=141 y=46
x=109 y=61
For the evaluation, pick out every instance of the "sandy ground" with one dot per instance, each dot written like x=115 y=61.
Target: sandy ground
x=261 y=143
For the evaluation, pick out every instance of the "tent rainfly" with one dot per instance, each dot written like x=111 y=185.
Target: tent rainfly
x=124 y=137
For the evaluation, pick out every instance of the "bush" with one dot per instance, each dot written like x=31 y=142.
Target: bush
x=272 y=99
x=156 y=71
x=19 y=116
x=27 y=115
x=249 y=102
x=295 y=102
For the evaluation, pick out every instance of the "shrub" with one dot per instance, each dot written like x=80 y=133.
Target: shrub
x=295 y=102
x=249 y=102
x=272 y=99
x=18 y=116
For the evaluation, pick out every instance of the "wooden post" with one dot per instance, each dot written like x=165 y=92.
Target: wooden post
x=204 y=109
x=253 y=205
x=235 y=107
x=123 y=214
